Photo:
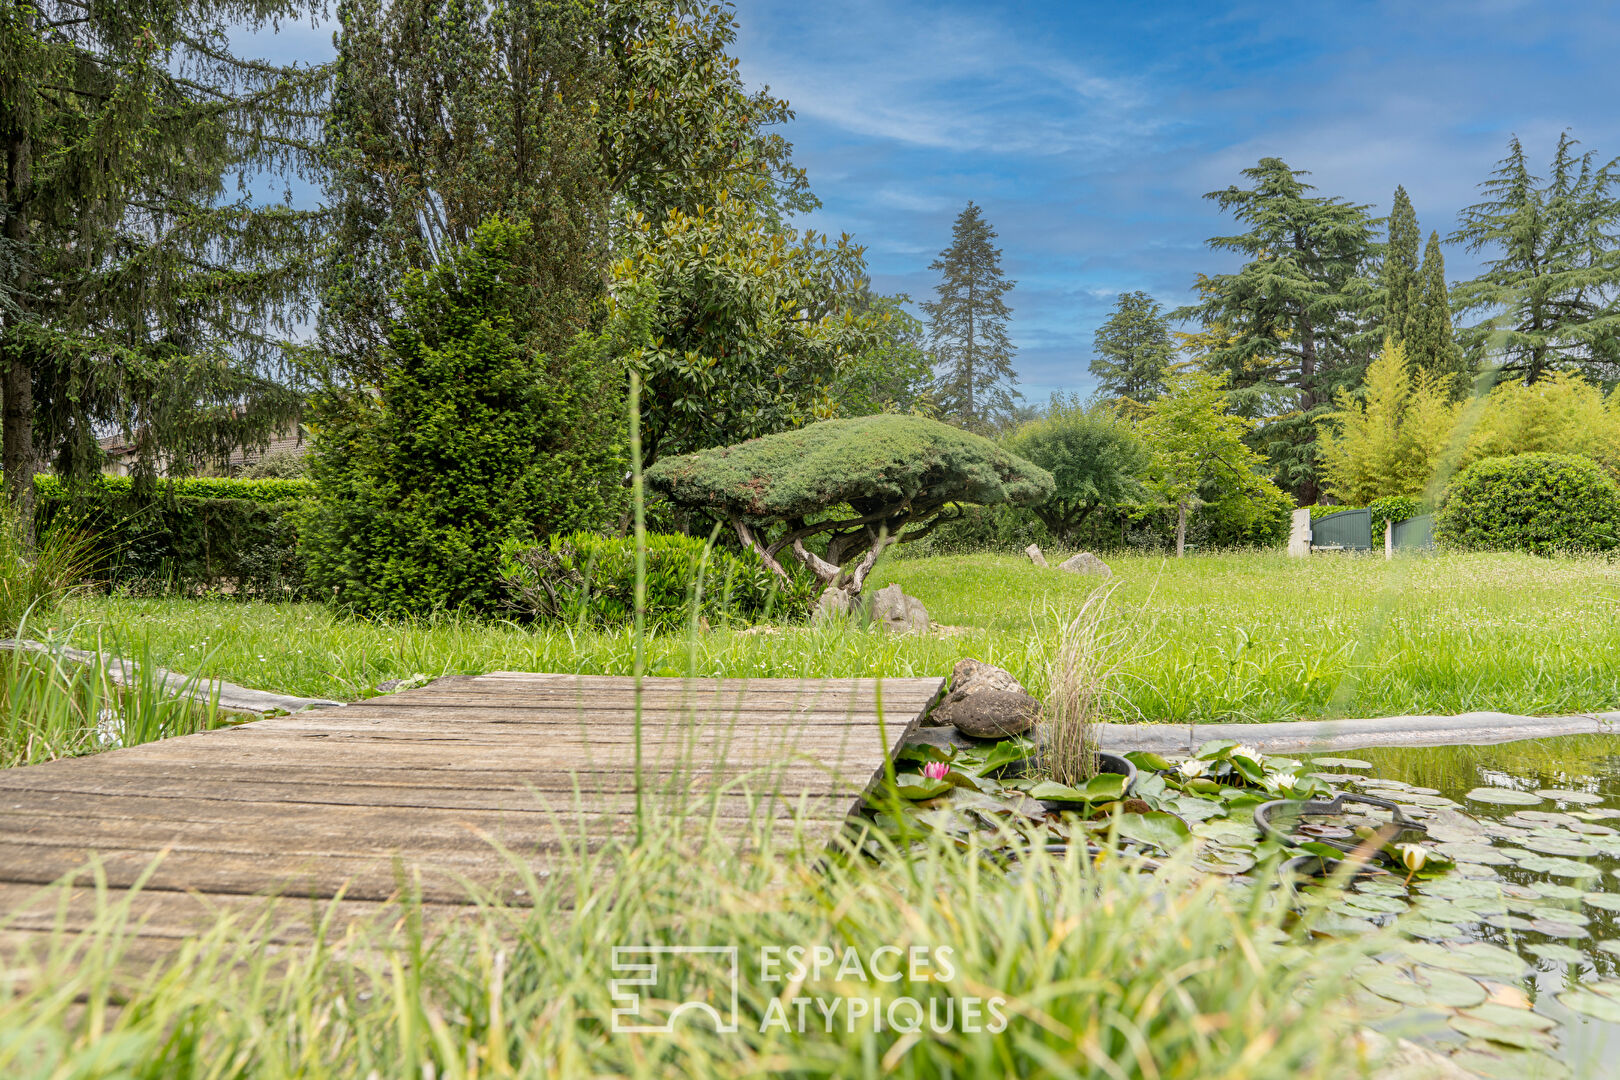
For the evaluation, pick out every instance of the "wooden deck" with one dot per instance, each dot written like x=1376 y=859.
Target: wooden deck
x=421 y=785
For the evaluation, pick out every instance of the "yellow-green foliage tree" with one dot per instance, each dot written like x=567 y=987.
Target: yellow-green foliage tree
x=1560 y=413
x=1391 y=438
x=1198 y=450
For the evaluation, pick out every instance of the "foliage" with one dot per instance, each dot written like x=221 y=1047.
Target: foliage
x=893 y=373
x=1095 y=457
x=1133 y=350
x=1393 y=509
x=583 y=579
x=1399 y=278
x=474 y=437
x=1391 y=439
x=750 y=327
x=1289 y=316
x=1198 y=453
x=967 y=325
x=140 y=295
x=1431 y=344
x=895 y=473
x=37 y=569
x=268 y=490
x=1539 y=503
x=1548 y=298
x=1561 y=413
x=283 y=464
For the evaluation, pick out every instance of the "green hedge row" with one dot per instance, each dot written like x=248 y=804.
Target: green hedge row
x=585 y=579
x=199 y=487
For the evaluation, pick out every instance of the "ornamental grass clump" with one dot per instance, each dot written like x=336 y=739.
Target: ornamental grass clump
x=1081 y=676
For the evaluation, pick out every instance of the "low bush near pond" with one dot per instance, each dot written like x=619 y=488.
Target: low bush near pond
x=1540 y=503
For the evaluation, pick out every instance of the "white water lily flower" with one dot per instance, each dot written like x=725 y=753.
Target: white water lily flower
x=1245 y=751
x=1192 y=768
x=1280 y=783
x=1413 y=856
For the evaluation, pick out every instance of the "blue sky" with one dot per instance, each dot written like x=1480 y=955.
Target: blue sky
x=1089 y=131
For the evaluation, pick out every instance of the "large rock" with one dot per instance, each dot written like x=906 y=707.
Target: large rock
x=833 y=603
x=1035 y=556
x=1086 y=563
x=896 y=611
x=986 y=702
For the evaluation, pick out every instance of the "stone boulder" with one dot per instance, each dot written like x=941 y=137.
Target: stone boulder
x=896 y=611
x=833 y=603
x=986 y=702
x=1086 y=563
x=1035 y=556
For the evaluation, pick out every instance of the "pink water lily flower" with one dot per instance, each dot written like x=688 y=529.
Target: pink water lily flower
x=936 y=770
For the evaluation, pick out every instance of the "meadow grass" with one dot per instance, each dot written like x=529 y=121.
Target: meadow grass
x=1100 y=971
x=1242 y=636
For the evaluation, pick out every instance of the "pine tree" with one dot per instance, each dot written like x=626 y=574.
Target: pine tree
x=968 y=327
x=1291 y=313
x=1399 y=279
x=1550 y=299
x=1431 y=345
x=139 y=295
x=1133 y=351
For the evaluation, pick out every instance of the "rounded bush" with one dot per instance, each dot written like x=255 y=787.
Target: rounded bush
x=1540 y=503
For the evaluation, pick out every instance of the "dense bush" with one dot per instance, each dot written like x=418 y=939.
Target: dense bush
x=1541 y=503
x=583 y=578
x=1093 y=454
x=200 y=487
x=473 y=437
x=248 y=547
x=1396 y=508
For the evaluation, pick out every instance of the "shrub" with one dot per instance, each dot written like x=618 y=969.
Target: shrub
x=34 y=576
x=473 y=437
x=1540 y=503
x=583 y=578
x=199 y=487
x=894 y=474
x=1396 y=508
x=1094 y=455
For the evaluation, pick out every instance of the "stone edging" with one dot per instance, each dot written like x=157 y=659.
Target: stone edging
x=1475 y=728
x=232 y=698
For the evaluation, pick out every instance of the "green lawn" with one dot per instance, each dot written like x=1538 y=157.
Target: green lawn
x=1239 y=636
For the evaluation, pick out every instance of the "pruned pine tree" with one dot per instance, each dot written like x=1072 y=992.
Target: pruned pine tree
x=144 y=290
x=1549 y=299
x=1133 y=351
x=967 y=323
x=1292 y=315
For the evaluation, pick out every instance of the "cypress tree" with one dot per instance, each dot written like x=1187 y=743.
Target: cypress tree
x=968 y=327
x=1431 y=344
x=1133 y=350
x=1399 y=279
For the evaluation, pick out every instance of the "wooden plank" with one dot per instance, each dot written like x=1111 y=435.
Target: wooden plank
x=421 y=787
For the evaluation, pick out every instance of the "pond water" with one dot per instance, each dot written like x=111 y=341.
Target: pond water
x=1534 y=828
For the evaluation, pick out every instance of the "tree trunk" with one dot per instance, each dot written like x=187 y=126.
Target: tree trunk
x=16 y=367
x=1181 y=528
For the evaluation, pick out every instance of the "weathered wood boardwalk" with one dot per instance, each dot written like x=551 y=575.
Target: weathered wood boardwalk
x=422 y=785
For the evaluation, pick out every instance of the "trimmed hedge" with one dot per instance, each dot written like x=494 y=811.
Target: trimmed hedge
x=244 y=546
x=584 y=578
x=1540 y=503
x=200 y=487
x=1396 y=508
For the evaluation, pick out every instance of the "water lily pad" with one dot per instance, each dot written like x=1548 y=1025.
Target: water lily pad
x=1612 y=947
x=1583 y=798
x=1215 y=859
x=1586 y=828
x=1474 y=853
x=1503 y=797
x=1341 y=763
x=1532 y=818
x=1587 y=1003
x=1564 y=868
x=1430 y=930
x=1559 y=928
x=1560 y=845
x=1509 y=922
x=1527 y=1038
x=1554 y=891
x=1597 y=813
x=1604 y=901
x=1425 y=986
x=1552 y=950
x=1383 y=905
x=1334 y=924
x=1475 y=958
x=1500 y=1063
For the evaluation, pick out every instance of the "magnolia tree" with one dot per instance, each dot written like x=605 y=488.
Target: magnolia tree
x=860 y=484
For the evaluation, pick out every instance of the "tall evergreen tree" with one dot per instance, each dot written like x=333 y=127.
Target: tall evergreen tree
x=1431 y=345
x=1399 y=279
x=1550 y=299
x=139 y=294
x=968 y=327
x=1291 y=314
x=1133 y=351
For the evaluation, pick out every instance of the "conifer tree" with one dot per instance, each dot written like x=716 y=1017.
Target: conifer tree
x=1133 y=351
x=1550 y=298
x=1431 y=345
x=1399 y=279
x=968 y=327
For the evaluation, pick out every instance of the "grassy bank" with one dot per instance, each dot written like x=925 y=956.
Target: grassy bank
x=1242 y=636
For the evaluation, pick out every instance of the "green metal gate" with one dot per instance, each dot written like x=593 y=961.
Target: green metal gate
x=1349 y=530
x=1414 y=533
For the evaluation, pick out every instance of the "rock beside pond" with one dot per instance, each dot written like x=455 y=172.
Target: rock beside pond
x=896 y=611
x=1086 y=563
x=834 y=603
x=986 y=702
x=1035 y=556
